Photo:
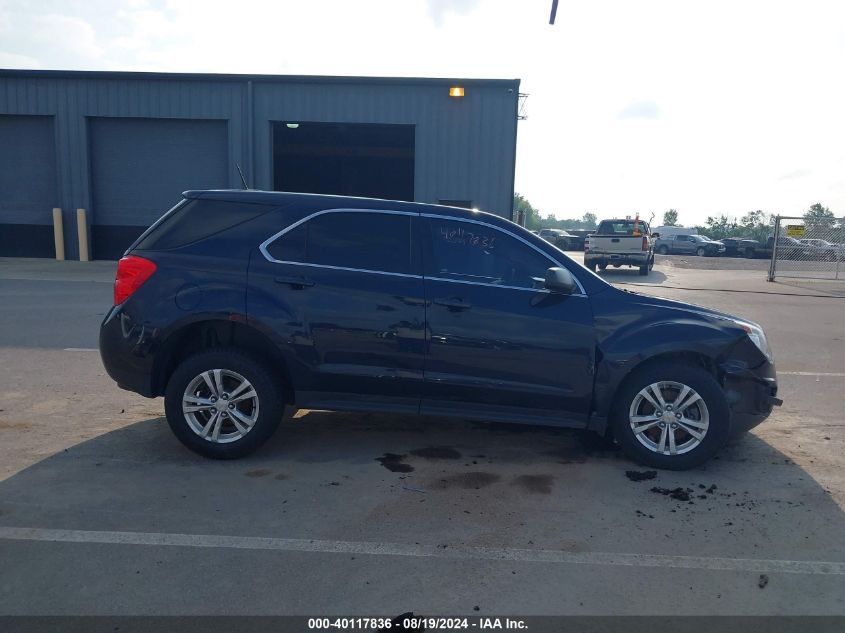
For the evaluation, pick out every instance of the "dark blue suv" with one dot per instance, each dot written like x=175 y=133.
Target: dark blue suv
x=236 y=304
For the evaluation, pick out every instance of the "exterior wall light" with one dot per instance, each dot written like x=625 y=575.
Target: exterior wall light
x=456 y=91
x=292 y=126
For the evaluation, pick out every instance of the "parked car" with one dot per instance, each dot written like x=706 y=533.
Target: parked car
x=580 y=236
x=822 y=249
x=740 y=247
x=671 y=231
x=689 y=245
x=238 y=304
x=620 y=243
x=788 y=248
x=560 y=238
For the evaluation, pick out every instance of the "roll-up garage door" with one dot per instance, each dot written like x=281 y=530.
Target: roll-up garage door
x=27 y=186
x=139 y=168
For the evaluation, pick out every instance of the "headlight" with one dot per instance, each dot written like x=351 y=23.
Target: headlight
x=757 y=336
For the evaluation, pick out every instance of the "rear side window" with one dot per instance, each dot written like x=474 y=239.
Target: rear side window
x=380 y=242
x=197 y=219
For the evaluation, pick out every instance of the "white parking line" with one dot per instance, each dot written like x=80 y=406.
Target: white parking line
x=812 y=373
x=81 y=349
x=454 y=552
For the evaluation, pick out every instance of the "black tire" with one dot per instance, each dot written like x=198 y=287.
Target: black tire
x=749 y=253
x=644 y=270
x=700 y=251
x=663 y=249
x=592 y=267
x=698 y=379
x=270 y=409
x=602 y=266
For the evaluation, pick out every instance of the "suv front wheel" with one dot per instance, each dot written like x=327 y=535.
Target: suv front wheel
x=671 y=415
x=222 y=403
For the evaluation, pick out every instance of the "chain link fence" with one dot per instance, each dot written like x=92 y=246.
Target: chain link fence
x=808 y=249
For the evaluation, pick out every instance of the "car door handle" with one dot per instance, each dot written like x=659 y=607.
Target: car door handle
x=453 y=303
x=615 y=240
x=295 y=282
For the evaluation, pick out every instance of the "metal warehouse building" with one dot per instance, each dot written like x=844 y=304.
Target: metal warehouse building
x=123 y=146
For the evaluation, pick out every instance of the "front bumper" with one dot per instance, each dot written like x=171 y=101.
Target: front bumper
x=751 y=394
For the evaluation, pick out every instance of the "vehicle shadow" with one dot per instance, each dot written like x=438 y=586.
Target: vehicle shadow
x=395 y=478
x=632 y=276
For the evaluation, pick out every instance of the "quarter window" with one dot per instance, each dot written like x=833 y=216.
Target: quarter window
x=368 y=241
x=473 y=252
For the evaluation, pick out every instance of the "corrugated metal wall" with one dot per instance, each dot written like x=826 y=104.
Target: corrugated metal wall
x=465 y=148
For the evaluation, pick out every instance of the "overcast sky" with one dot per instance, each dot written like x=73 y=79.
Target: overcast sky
x=635 y=105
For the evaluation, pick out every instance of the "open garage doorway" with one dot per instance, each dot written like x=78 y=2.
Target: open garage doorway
x=349 y=159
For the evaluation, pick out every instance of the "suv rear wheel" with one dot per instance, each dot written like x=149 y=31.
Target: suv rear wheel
x=672 y=415
x=222 y=403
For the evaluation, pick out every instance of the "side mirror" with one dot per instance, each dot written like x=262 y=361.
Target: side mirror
x=560 y=280
x=655 y=235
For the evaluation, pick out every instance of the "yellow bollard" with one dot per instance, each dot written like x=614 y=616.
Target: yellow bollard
x=58 y=234
x=82 y=234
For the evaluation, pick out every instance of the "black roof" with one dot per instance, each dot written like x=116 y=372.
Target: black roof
x=316 y=202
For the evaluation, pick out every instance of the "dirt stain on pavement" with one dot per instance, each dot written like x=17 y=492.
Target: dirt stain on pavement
x=679 y=494
x=576 y=448
x=395 y=463
x=280 y=477
x=258 y=472
x=466 y=481
x=640 y=475
x=535 y=484
x=436 y=452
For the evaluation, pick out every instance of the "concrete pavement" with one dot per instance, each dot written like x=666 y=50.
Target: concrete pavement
x=103 y=512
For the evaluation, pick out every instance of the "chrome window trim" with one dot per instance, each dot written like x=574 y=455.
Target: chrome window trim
x=266 y=243
x=346 y=268
x=513 y=235
x=481 y=283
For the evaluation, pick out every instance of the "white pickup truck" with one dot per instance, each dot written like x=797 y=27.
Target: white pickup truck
x=620 y=243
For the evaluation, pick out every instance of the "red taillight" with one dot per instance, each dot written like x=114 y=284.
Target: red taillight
x=645 y=243
x=132 y=272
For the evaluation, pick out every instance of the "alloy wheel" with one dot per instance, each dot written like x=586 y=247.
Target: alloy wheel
x=669 y=418
x=220 y=406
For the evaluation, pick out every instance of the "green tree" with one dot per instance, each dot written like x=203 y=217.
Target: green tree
x=670 y=218
x=756 y=225
x=819 y=219
x=532 y=215
x=533 y=221
x=717 y=228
